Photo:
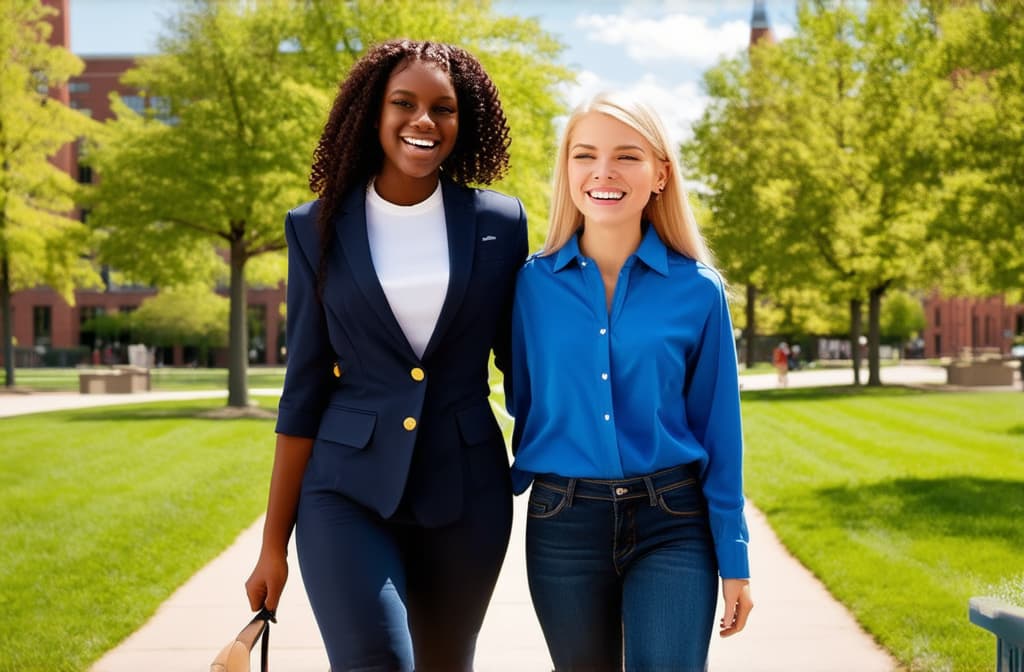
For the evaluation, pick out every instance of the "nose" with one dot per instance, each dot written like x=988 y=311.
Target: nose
x=422 y=119
x=603 y=170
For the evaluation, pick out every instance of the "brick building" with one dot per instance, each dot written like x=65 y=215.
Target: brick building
x=49 y=331
x=954 y=325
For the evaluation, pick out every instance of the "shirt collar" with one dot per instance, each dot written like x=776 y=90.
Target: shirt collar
x=652 y=252
x=568 y=252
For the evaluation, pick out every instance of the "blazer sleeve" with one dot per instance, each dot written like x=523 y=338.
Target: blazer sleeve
x=309 y=376
x=503 y=336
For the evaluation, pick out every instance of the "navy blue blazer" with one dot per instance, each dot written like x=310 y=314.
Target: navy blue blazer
x=387 y=423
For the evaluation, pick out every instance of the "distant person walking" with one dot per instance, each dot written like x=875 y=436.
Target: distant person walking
x=780 y=360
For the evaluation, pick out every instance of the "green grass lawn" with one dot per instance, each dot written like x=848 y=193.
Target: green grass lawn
x=164 y=378
x=904 y=503
x=107 y=511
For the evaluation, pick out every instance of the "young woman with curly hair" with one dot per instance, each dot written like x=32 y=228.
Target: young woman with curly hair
x=389 y=462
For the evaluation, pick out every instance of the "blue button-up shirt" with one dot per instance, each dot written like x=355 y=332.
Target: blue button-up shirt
x=648 y=385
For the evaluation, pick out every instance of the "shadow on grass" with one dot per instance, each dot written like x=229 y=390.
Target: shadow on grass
x=142 y=412
x=1016 y=430
x=962 y=506
x=830 y=392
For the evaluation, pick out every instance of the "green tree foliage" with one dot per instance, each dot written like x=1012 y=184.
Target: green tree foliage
x=39 y=242
x=218 y=172
x=247 y=88
x=902 y=317
x=185 y=315
x=843 y=119
x=983 y=182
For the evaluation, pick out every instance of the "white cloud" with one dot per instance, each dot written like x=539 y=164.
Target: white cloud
x=678 y=104
x=673 y=37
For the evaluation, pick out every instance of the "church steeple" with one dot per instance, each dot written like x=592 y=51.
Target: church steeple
x=760 y=29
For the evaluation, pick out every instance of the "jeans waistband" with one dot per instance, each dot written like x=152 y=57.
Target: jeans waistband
x=637 y=487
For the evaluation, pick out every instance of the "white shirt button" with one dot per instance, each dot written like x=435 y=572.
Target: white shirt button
x=604 y=376
x=607 y=417
x=603 y=331
x=583 y=263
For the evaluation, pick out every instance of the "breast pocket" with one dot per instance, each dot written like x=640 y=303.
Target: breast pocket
x=348 y=427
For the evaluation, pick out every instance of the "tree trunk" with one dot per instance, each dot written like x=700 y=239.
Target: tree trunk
x=238 y=328
x=751 y=322
x=855 y=327
x=875 y=334
x=5 y=307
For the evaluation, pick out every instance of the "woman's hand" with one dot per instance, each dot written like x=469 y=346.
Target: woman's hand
x=736 y=593
x=267 y=580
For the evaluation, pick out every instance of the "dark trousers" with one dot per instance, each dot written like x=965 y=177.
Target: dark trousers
x=623 y=574
x=391 y=595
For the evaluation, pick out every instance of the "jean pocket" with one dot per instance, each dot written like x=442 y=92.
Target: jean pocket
x=683 y=499
x=545 y=501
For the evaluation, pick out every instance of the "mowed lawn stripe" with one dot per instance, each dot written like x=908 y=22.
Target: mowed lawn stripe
x=107 y=511
x=904 y=503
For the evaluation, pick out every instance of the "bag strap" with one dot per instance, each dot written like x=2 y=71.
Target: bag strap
x=259 y=628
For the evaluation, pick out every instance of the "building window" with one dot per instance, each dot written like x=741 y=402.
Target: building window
x=938 y=345
x=84 y=174
x=136 y=103
x=87 y=326
x=42 y=325
x=78 y=87
x=938 y=316
x=258 y=334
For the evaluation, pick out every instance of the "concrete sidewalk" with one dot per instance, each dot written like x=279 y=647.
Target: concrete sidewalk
x=796 y=625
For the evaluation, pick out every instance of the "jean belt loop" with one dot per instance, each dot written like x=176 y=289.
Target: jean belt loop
x=650 y=490
x=570 y=491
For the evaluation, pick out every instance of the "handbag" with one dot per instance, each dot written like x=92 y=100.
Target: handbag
x=235 y=657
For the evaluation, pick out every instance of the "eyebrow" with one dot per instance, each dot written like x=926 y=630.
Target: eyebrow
x=412 y=94
x=581 y=145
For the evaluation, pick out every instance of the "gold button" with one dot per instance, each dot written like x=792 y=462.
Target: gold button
x=409 y=424
x=417 y=374
x=621 y=491
x=337 y=370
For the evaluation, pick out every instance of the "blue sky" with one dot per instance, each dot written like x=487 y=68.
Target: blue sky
x=655 y=48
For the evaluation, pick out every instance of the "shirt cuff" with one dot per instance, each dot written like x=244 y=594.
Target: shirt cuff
x=731 y=537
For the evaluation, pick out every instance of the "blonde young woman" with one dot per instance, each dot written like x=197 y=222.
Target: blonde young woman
x=626 y=398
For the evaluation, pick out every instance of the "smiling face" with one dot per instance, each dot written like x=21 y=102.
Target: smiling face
x=612 y=170
x=419 y=121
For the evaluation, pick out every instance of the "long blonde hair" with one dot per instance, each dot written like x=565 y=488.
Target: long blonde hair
x=670 y=214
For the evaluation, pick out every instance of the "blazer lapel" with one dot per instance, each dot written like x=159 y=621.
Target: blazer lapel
x=350 y=226
x=460 y=222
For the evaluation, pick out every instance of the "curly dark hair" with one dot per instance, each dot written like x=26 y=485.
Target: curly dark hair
x=349 y=151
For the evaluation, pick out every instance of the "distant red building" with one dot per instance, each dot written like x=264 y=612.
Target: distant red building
x=49 y=331
x=956 y=325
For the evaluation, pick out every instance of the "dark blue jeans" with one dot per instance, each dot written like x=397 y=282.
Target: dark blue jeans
x=623 y=573
x=390 y=595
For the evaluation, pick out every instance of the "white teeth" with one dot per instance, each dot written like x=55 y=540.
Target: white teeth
x=417 y=142
x=607 y=195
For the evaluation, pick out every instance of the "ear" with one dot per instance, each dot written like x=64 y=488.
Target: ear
x=662 y=174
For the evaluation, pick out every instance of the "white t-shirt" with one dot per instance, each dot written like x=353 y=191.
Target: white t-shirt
x=409 y=249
